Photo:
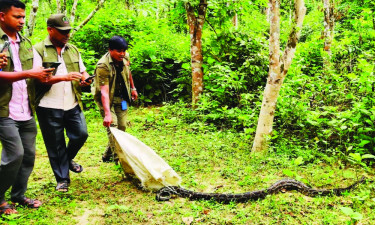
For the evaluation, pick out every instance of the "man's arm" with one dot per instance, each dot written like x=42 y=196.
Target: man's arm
x=104 y=90
x=134 y=92
x=85 y=75
x=40 y=74
x=68 y=77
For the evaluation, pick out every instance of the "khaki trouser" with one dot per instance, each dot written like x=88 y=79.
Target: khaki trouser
x=118 y=121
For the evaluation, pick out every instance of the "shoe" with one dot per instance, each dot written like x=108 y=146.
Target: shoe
x=75 y=167
x=7 y=209
x=28 y=202
x=62 y=186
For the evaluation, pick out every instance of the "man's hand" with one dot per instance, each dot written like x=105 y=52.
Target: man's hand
x=83 y=80
x=73 y=76
x=3 y=60
x=41 y=74
x=134 y=94
x=107 y=120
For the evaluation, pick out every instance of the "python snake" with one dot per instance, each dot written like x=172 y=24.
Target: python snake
x=165 y=193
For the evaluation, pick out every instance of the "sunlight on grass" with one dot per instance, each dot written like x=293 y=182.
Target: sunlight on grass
x=208 y=161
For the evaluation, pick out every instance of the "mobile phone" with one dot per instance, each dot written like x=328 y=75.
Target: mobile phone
x=51 y=64
x=5 y=46
x=90 y=78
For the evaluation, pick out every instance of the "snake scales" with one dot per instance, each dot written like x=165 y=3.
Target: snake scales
x=165 y=193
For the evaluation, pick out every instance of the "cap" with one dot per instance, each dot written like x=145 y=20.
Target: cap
x=59 y=21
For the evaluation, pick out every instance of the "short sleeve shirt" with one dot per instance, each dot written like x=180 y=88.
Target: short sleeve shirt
x=103 y=74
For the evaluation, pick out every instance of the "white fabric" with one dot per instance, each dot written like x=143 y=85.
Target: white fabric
x=61 y=94
x=139 y=159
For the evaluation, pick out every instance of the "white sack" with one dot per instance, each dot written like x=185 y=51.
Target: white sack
x=139 y=159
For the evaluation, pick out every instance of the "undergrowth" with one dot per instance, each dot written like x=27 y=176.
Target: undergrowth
x=208 y=160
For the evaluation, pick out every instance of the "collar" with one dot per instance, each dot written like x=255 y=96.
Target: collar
x=4 y=36
x=18 y=40
x=47 y=42
x=110 y=60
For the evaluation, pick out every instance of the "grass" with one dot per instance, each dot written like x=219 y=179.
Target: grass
x=208 y=161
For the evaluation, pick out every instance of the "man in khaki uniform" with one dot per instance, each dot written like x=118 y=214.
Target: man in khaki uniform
x=114 y=89
x=59 y=105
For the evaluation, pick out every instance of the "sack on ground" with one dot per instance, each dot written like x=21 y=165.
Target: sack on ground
x=139 y=159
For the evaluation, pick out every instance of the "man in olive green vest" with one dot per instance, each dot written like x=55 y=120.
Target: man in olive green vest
x=17 y=125
x=114 y=89
x=59 y=105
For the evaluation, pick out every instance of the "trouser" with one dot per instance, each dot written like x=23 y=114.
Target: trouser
x=118 y=121
x=17 y=156
x=52 y=123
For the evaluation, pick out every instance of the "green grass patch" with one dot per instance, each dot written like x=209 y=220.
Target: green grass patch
x=208 y=161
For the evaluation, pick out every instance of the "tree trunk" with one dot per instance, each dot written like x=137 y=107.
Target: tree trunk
x=89 y=17
x=195 y=29
x=329 y=24
x=277 y=71
x=32 y=18
x=235 y=21
x=73 y=12
x=58 y=6
x=234 y=18
x=268 y=12
x=63 y=7
x=127 y=4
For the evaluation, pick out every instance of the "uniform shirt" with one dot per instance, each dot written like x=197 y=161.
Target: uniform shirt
x=61 y=94
x=19 y=108
x=106 y=71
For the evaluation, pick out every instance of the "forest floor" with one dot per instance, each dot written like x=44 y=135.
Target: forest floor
x=207 y=161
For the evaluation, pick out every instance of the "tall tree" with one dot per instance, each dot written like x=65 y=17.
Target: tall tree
x=73 y=12
x=278 y=69
x=195 y=23
x=89 y=17
x=329 y=24
x=32 y=18
x=127 y=4
x=58 y=6
x=235 y=21
x=63 y=7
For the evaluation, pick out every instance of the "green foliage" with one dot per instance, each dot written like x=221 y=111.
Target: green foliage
x=323 y=131
x=156 y=51
x=326 y=109
x=88 y=101
x=355 y=216
x=207 y=160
